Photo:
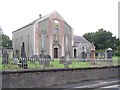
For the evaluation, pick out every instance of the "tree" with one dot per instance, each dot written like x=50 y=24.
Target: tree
x=6 y=42
x=118 y=54
x=102 y=39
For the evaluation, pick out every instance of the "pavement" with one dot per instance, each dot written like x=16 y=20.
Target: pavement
x=94 y=84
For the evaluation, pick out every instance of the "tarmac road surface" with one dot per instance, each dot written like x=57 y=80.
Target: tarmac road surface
x=96 y=85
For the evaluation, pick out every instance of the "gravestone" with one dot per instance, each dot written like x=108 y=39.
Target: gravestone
x=62 y=60
x=47 y=60
x=43 y=60
x=109 y=53
x=42 y=53
x=17 y=54
x=83 y=55
x=67 y=60
x=101 y=55
x=15 y=61
x=34 y=58
x=23 y=59
x=5 y=58
x=23 y=55
x=48 y=57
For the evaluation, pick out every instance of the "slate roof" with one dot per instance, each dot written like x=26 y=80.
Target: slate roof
x=79 y=39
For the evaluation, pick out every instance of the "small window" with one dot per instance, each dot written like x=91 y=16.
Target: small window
x=56 y=21
x=56 y=30
x=56 y=26
x=21 y=39
x=43 y=42
x=83 y=48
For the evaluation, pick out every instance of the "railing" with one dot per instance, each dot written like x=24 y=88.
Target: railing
x=46 y=63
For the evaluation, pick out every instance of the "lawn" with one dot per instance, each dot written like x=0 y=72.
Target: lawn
x=0 y=63
x=116 y=60
x=54 y=64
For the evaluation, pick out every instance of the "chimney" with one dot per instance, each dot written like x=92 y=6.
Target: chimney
x=40 y=16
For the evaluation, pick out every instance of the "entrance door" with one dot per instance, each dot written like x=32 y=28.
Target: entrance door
x=55 y=52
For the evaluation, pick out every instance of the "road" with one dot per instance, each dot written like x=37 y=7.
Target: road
x=112 y=86
x=96 y=85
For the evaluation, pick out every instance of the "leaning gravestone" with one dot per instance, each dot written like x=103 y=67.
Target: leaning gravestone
x=5 y=59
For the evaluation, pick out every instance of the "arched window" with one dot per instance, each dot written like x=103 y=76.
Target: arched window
x=83 y=48
x=28 y=45
x=66 y=41
x=43 y=40
x=75 y=53
x=56 y=31
x=21 y=39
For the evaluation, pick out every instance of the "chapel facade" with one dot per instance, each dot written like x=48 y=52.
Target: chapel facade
x=49 y=34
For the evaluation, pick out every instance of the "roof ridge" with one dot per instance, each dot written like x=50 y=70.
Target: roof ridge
x=42 y=18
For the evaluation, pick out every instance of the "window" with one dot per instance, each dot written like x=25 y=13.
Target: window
x=28 y=42
x=56 y=30
x=42 y=41
x=66 y=40
x=83 y=48
x=56 y=21
x=21 y=39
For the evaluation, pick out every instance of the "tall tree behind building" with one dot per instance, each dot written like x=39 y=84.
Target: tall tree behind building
x=4 y=40
x=102 y=39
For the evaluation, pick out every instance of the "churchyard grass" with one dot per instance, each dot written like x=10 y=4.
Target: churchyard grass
x=0 y=63
x=78 y=64
x=53 y=64
x=56 y=64
x=116 y=60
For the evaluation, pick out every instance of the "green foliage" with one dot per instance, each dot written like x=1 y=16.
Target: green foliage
x=102 y=39
x=6 y=42
x=117 y=52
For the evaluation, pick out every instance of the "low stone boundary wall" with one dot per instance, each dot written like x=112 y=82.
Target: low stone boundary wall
x=42 y=78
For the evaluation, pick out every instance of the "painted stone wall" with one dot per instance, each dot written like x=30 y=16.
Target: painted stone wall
x=25 y=35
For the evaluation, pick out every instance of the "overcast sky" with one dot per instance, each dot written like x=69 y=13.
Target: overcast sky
x=82 y=15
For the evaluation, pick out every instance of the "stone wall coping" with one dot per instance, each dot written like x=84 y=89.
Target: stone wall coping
x=53 y=70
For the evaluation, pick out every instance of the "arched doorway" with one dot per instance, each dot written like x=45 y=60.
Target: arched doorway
x=55 y=52
x=75 y=52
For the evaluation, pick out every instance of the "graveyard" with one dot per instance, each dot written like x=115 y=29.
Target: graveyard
x=57 y=63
